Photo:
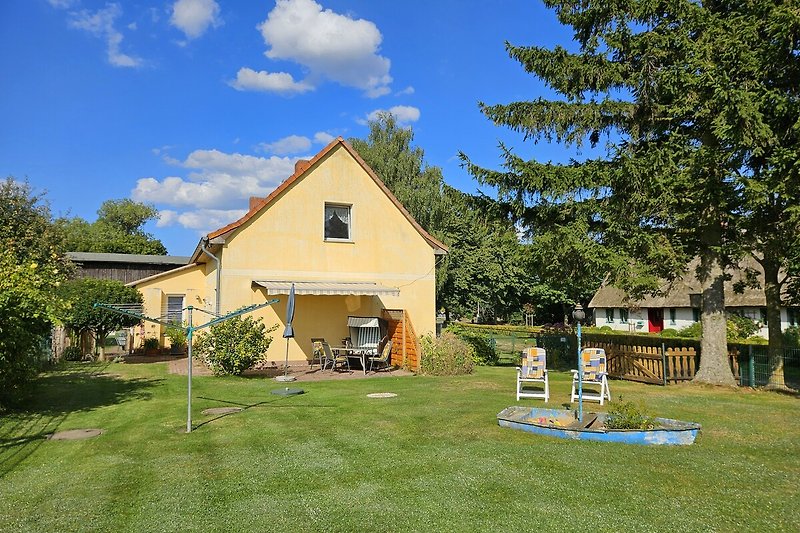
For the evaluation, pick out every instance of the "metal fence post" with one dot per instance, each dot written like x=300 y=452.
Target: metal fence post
x=752 y=366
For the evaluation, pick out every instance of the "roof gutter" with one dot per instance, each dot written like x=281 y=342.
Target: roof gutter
x=203 y=243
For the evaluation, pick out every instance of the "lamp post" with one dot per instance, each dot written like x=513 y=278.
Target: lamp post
x=578 y=315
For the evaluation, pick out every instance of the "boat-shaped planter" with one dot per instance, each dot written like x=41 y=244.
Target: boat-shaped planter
x=563 y=424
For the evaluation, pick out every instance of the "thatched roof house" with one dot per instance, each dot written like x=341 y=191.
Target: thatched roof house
x=677 y=304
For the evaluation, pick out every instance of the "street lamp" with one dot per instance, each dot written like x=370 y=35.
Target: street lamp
x=578 y=315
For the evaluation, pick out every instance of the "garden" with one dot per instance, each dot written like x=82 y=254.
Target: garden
x=431 y=458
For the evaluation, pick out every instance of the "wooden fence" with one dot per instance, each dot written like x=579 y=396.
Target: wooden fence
x=660 y=365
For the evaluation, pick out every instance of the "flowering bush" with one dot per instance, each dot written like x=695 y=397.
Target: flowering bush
x=233 y=346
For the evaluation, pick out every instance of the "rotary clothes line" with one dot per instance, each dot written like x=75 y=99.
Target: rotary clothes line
x=137 y=311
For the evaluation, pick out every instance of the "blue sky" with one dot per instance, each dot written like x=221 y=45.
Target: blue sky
x=196 y=105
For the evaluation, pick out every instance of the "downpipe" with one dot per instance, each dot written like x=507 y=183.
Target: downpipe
x=206 y=251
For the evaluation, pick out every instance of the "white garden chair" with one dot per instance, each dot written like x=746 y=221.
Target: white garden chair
x=533 y=370
x=595 y=372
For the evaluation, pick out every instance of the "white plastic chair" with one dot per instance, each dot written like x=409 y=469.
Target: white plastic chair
x=533 y=370
x=594 y=373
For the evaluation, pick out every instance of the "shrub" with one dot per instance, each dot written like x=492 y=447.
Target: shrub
x=738 y=328
x=628 y=415
x=692 y=332
x=447 y=355
x=484 y=352
x=72 y=353
x=176 y=336
x=791 y=337
x=608 y=329
x=233 y=346
x=150 y=343
x=669 y=332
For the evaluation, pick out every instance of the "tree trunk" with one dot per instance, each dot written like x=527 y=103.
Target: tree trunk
x=714 y=366
x=772 y=291
x=100 y=345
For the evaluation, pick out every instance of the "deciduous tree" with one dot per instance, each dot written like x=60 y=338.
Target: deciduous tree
x=32 y=266
x=83 y=316
x=118 y=229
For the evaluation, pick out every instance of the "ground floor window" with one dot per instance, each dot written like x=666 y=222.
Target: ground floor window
x=175 y=308
x=623 y=316
x=610 y=315
x=672 y=316
x=696 y=314
x=793 y=315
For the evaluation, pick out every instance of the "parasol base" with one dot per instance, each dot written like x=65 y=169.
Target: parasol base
x=287 y=392
x=285 y=378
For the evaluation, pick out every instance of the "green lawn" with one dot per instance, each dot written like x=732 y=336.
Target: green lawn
x=431 y=459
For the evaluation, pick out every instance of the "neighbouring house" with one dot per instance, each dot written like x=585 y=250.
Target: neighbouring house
x=122 y=267
x=119 y=267
x=335 y=231
x=678 y=305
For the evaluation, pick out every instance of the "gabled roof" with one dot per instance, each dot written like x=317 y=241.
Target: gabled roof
x=300 y=172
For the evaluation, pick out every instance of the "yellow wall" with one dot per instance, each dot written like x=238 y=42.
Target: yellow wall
x=189 y=282
x=285 y=242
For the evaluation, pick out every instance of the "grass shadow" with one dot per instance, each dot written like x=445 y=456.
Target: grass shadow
x=245 y=406
x=54 y=396
x=81 y=389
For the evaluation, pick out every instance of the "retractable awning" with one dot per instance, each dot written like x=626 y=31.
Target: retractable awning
x=328 y=288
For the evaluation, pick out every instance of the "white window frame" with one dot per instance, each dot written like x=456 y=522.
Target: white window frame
x=350 y=224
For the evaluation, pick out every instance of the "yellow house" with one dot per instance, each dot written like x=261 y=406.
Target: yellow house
x=333 y=229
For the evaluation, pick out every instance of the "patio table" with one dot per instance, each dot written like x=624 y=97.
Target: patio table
x=355 y=353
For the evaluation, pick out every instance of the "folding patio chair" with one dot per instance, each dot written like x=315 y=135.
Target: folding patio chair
x=384 y=357
x=334 y=359
x=317 y=352
x=594 y=373
x=533 y=370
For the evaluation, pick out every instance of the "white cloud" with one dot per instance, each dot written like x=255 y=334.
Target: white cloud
x=328 y=45
x=217 y=181
x=292 y=144
x=203 y=220
x=407 y=90
x=62 y=4
x=193 y=17
x=101 y=24
x=323 y=137
x=249 y=80
x=404 y=114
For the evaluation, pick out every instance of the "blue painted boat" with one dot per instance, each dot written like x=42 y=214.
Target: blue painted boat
x=563 y=424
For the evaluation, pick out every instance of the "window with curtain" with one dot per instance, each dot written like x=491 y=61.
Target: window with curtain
x=610 y=315
x=672 y=316
x=337 y=222
x=623 y=316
